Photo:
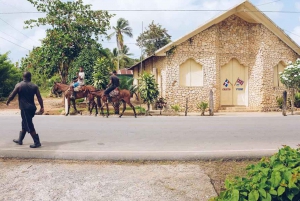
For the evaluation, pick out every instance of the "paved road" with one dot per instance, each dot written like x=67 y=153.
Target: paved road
x=152 y=138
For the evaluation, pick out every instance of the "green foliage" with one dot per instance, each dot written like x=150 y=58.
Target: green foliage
x=74 y=27
x=122 y=28
x=9 y=75
x=126 y=82
x=272 y=179
x=154 y=38
x=148 y=88
x=290 y=77
x=176 y=107
x=279 y=101
x=87 y=59
x=202 y=107
x=297 y=100
x=101 y=72
x=140 y=109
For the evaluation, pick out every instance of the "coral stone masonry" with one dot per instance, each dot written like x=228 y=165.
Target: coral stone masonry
x=235 y=57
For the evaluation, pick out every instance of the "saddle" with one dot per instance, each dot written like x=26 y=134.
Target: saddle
x=114 y=93
x=80 y=88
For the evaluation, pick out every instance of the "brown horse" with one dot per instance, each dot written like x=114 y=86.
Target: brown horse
x=83 y=93
x=124 y=96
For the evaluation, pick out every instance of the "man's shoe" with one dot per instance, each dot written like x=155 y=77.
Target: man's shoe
x=36 y=140
x=21 y=137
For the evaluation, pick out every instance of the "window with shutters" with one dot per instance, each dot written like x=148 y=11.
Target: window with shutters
x=190 y=74
x=276 y=78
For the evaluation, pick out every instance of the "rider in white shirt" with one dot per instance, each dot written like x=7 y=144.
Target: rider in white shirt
x=80 y=81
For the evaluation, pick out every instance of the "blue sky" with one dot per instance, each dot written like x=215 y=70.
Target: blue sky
x=177 y=23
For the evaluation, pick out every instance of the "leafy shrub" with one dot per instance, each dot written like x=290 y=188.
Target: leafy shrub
x=297 y=100
x=272 y=179
x=176 y=107
x=202 y=106
x=279 y=101
x=140 y=109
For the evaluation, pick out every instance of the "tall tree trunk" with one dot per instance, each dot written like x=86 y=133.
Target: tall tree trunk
x=148 y=109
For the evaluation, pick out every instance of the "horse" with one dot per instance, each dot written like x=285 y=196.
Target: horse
x=98 y=94
x=123 y=96
x=83 y=93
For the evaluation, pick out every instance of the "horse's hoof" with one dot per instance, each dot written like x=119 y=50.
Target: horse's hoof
x=120 y=116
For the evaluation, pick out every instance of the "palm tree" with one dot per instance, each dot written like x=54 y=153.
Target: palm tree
x=121 y=28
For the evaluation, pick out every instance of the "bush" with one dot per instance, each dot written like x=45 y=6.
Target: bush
x=140 y=109
x=272 y=179
x=9 y=75
x=297 y=100
x=202 y=106
x=176 y=107
x=279 y=101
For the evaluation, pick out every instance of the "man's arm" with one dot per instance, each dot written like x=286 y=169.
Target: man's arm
x=110 y=81
x=39 y=97
x=13 y=94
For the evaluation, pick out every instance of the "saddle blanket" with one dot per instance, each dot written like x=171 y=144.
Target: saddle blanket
x=114 y=93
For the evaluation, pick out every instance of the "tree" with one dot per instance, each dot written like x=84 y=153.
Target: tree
x=74 y=27
x=290 y=77
x=101 y=72
x=123 y=58
x=148 y=89
x=154 y=38
x=121 y=28
x=87 y=58
x=9 y=75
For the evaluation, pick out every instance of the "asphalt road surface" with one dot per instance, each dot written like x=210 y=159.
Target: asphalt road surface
x=152 y=138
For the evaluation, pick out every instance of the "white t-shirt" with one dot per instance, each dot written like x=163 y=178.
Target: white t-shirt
x=81 y=75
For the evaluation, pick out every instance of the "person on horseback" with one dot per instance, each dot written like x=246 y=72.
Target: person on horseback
x=77 y=82
x=113 y=84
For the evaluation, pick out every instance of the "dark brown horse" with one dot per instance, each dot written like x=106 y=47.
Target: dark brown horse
x=83 y=93
x=124 y=96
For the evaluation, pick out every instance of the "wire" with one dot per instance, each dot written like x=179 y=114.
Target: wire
x=11 y=36
x=268 y=3
x=14 y=43
x=16 y=30
x=198 y=10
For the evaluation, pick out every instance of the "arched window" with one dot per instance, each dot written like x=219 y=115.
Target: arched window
x=276 y=78
x=190 y=74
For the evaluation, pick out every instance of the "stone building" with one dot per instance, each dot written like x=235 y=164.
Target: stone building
x=237 y=54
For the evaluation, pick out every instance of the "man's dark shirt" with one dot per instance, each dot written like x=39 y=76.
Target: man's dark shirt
x=115 y=81
x=26 y=91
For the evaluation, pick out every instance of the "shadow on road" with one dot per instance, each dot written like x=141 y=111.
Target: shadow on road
x=55 y=144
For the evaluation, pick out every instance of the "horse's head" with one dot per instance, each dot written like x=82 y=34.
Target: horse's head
x=55 y=89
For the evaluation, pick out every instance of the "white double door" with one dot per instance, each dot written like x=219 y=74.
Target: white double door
x=234 y=84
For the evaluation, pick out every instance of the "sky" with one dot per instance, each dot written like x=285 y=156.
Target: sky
x=178 y=23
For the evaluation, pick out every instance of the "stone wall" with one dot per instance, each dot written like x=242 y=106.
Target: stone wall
x=253 y=45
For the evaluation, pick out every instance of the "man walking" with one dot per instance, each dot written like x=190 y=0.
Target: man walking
x=26 y=91
x=113 y=83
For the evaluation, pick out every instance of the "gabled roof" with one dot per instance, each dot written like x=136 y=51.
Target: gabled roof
x=248 y=12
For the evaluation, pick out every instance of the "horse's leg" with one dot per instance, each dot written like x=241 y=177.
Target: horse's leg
x=91 y=109
x=129 y=103
x=107 y=109
x=96 y=107
x=124 y=108
x=69 y=105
